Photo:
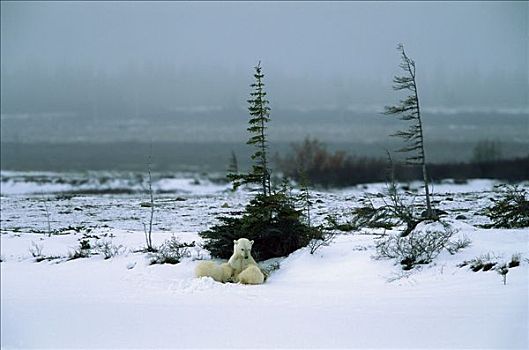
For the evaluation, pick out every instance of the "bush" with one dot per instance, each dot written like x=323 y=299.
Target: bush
x=272 y=222
x=324 y=241
x=107 y=249
x=394 y=211
x=369 y=216
x=485 y=262
x=421 y=246
x=335 y=221
x=84 y=250
x=503 y=270
x=172 y=251
x=36 y=251
x=455 y=246
x=515 y=260
x=491 y=262
x=511 y=210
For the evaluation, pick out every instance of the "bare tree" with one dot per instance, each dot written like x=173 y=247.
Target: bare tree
x=408 y=109
x=48 y=217
x=148 y=233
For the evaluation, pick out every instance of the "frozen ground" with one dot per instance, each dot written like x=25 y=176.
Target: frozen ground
x=339 y=297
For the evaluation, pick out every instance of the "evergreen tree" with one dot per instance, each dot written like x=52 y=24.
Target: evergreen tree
x=409 y=110
x=259 y=117
x=270 y=219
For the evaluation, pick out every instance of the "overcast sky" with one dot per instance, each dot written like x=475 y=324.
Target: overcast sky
x=307 y=48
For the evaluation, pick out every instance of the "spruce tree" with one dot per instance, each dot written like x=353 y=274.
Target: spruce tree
x=409 y=110
x=270 y=218
x=259 y=117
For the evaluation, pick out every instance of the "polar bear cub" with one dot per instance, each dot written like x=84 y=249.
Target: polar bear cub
x=240 y=268
x=251 y=275
x=220 y=273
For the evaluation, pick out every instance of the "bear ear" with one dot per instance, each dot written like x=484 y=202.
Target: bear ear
x=234 y=241
x=251 y=242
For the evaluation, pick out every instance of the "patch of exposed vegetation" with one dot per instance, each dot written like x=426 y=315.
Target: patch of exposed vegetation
x=172 y=251
x=491 y=262
x=511 y=210
x=419 y=247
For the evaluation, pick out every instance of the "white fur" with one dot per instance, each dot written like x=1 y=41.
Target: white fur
x=240 y=268
x=242 y=255
x=245 y=269
x=220 y=273
x=251 y=275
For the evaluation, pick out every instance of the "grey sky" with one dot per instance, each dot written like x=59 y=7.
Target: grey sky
x=312 y=52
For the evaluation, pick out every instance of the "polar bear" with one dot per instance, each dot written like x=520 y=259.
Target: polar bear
x=251 y=275
x=220 y=273
x=241 y=267
x=245 y=269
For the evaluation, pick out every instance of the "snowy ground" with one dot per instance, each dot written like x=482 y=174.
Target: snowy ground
x=339 y=297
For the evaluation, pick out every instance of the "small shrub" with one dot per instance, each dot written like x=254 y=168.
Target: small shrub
x=36 y=252
x=84 y=250
x=475 y=264
x=172 y=251
x=369 y=216
x=395 y=210
x=511 y=210
x=107 y=249
x=503 y=270
x=332 y=223
x=489 y=262
x=455 y=246
x=324 y=241
x=78 y=254
x=488 y=266
x=515 y=260
x=84 y=244
x=421 y=246
x=365 y=216
x=403 y=212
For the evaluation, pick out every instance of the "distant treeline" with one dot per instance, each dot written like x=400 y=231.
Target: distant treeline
x=329 y=165
x=311 y=160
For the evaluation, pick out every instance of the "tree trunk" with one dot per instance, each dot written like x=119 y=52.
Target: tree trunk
x=263 y=159
x=429 y=212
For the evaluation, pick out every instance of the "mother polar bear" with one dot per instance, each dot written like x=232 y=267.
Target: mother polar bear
x=240 y=268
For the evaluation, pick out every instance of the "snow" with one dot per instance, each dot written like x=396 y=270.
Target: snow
x=191 y=186
x=14 y=183
x=339 y=297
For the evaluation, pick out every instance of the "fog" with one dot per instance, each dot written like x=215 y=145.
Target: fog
x=114 y=58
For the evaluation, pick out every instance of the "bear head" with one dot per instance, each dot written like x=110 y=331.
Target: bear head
x=242 y=247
